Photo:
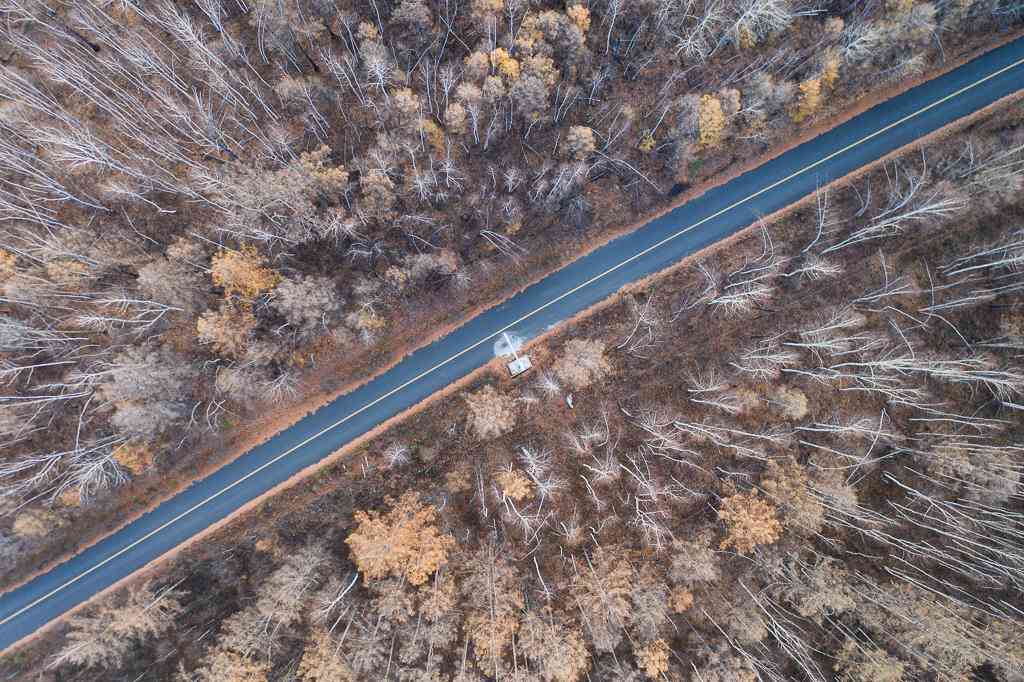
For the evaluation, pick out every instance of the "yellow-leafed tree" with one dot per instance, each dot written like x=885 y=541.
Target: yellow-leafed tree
x=8 y=261
x=830 y=69
x=579 y=142
x=810 y=99
x=710 y=121
x=504 y=63
x=580 y=16
x=514 y=484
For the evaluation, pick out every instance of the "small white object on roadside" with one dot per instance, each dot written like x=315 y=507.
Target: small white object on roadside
x=519 y=365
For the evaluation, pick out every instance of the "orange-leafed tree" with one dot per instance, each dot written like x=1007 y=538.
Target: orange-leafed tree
x=404 y=542
x=653 y=658
x=750 y=521
x=243 y=273
x=134 y=456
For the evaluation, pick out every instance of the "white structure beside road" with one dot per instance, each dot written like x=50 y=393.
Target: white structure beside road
x=518 y=364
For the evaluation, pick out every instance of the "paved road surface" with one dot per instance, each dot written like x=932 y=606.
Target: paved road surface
x=703 y=221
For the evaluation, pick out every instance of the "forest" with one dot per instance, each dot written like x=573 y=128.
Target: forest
x=796 y=458
x=207 y=207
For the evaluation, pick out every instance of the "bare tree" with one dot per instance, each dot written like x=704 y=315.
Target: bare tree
x=104 y=636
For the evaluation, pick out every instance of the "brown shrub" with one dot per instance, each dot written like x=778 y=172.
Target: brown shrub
x=720 y=663
x=455 y=118
x=227 y=666
x=694 y=561
x=228 y=330
x=34 y=524
x=437 y=599
x=322 y=662
x=491 y=636
x=819 y=590
x=490 y=413
x=491 y=589
x=514 y=484
x=393 y=601
x=867 y=663
x=791 y=402
x=557 y=649
x=105 y=635
x=602 y=592
x=785 y=483
x=582 y=363
x=681 y=600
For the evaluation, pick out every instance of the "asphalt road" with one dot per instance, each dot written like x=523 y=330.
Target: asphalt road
x=713 y=216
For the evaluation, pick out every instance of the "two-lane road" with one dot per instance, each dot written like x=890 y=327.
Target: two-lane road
x=713 y=216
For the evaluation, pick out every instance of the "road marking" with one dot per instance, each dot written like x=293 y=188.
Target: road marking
x=524 y=317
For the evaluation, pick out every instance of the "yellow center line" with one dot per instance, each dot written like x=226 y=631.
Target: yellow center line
x=526 y=316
